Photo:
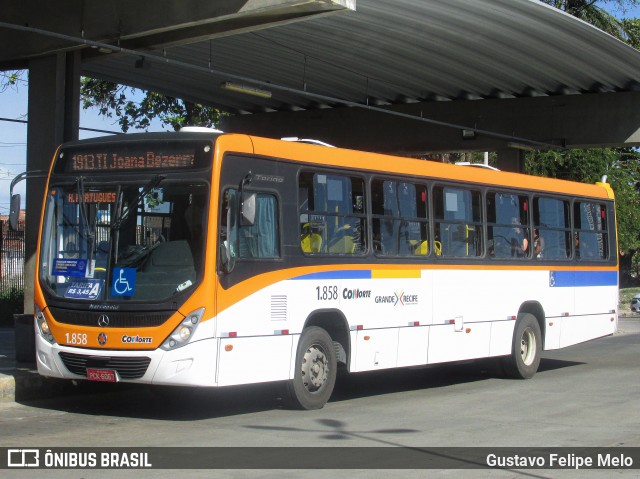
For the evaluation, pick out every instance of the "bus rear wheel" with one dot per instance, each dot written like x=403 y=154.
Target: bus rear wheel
x=526 y=349
x=315 y=372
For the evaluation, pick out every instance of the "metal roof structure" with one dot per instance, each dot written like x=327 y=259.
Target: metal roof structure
x=413 y=58
x=393 y=52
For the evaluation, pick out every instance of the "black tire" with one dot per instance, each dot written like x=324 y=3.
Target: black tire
x=315 y=370
x=525 y=350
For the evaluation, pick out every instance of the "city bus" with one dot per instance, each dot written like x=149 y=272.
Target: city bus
x=205 y=259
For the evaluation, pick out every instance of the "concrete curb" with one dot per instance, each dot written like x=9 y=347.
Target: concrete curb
x=24 y=383
x=20 y=380
x=7 y=388
x=17 y=379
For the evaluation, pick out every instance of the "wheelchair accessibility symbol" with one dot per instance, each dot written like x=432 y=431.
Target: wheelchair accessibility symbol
x=124 y=282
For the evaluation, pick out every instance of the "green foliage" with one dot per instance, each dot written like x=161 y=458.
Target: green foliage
x=10 y=79
x=632 y=27
x=11 y=302
x=12 y=295
x=116 y=100
x=598 y=13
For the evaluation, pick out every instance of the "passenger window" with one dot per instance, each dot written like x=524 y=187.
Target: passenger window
x=458 y=221
x=590 y=236
x=332 y=215
x=400 y=224
x=551 y=233
x=508 y=234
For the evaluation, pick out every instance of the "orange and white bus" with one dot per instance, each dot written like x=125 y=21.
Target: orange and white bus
x=209 y=259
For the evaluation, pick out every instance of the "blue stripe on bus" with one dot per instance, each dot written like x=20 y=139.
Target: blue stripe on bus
x=564 y=279
x=339 y=274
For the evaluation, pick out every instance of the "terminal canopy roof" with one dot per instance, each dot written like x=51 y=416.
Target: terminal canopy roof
x=401 y=75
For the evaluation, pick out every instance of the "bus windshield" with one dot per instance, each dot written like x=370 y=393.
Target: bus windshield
x=139 y=241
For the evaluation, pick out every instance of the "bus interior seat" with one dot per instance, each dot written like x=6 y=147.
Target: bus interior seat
x=343 y=245
x=423 y=248
x=311 y=242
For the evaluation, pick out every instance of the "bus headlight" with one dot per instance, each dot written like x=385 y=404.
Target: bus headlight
x=43 y=326
x=184 y=332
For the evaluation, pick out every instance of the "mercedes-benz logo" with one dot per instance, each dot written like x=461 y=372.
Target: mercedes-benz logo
x=103 y=321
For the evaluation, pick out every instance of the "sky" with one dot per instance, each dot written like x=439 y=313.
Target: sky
x=13 y=136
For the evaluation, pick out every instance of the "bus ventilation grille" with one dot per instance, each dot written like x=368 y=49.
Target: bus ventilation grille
x=278 y=308
x=127 y=367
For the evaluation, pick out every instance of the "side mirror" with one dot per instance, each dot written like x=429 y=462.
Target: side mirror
x=248 y=209
x=14 y=213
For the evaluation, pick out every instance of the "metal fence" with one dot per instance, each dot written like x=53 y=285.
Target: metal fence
x=11 y=258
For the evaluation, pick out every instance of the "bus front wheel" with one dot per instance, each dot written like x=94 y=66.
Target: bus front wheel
x=526 y=349
x=315 y=371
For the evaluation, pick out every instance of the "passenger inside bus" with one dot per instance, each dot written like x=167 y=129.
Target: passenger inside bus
x=538 y=244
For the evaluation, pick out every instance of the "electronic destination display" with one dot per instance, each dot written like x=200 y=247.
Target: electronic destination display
x=118 y=157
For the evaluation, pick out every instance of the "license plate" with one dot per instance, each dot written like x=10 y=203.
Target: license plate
x=102 y=375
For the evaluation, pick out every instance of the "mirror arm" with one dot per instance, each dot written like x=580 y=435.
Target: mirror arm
x=27 y=174
x=14 y=211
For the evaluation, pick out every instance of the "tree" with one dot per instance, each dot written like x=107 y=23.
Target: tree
x=9 y=79
x=599 y=14
x=632 y=27
x=113 y=99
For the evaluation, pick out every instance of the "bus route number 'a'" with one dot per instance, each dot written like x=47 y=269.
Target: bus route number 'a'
x=84 y=289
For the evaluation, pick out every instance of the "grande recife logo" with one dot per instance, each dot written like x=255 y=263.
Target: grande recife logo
x=398 y=299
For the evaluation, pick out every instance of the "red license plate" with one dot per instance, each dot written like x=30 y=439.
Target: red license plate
x=102 y=375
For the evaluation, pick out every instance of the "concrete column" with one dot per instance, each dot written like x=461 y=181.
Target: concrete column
x=510 y=159
x=54 y=112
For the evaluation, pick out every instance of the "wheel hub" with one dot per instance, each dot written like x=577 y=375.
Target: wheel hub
x=528 y=346
x=315 y=367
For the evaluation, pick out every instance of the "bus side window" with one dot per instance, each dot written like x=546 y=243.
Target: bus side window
x=508 y=226
x=400 y=225
x=458 y=221
x=332 y=216
x=552 y=234
x=591 y=240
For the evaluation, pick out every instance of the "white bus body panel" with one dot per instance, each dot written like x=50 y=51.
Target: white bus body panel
x=255 y=359
x=376 y=349
x=413 y=344
x=447 y=344
x=394 y=318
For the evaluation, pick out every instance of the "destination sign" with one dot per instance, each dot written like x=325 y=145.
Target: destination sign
x=125 y=156
x=148 y=160
x=93 y=197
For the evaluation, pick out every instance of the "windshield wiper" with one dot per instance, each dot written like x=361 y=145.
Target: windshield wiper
x=154 y=182
x=88 y=230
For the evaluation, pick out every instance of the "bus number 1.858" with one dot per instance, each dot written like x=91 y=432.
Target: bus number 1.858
x=327 y=293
